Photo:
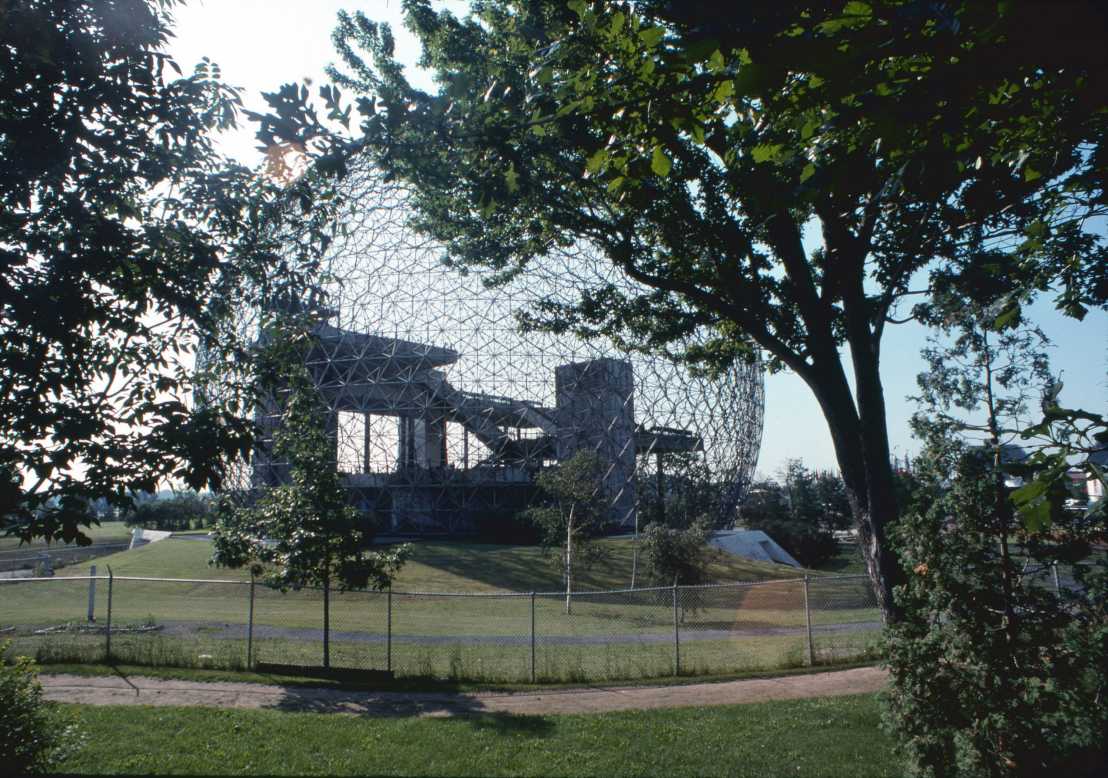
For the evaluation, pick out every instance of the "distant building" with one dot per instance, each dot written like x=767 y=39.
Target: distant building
x=1094 y=487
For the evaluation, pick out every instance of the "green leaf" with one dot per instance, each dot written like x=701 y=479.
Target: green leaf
x=808 y=171
x=1029 y=492
x=660 y=163
x=597 y=160
x=652 y=36
x=702 y=50
x=724 y=91
x=1036 y=517
x=715 y=62
x=511 y=178
x=578 y=7
x=1031 y=174
x=766 y=152
x=618 y=19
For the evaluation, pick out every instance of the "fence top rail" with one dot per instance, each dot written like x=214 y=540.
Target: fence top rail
x=52 y=578
x=494 y=594
x=100 y=577
x=554 y=593
x=505 y=593
x=811 y=579
x=62 y=549
x=733 y=584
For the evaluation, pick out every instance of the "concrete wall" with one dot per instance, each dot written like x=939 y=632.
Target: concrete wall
x=595 y=411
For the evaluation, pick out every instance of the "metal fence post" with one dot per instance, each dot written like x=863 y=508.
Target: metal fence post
x=676 y=635
x=250 y=627
x=388 y=630
x=532 y=637
x=327 y=623
x=1054 y=572
x=808 y=624
x=108 y=648
x=92 y=593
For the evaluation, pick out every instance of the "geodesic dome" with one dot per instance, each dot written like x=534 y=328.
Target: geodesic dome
x=444 y=410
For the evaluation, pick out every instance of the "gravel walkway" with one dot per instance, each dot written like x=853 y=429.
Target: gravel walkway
x=118 y=690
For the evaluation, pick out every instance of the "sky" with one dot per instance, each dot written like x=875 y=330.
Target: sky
x=262 y=44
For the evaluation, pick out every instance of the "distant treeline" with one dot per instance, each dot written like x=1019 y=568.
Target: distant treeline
x=181 y=512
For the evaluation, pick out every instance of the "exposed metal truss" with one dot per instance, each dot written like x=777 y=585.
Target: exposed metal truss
x=443 y=410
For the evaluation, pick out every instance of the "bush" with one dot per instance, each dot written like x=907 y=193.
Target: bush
x=175 y=514
x=32 y=737
x=675 y=555
x=992 y=672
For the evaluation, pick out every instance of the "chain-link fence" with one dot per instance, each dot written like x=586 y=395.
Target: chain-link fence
x=516 y=636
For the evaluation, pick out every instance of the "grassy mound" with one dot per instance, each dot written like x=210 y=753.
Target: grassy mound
x=441 y=566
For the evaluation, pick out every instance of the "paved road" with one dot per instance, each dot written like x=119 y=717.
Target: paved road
x=134 y=690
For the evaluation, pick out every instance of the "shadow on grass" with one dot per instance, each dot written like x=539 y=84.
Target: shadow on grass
x=408 y=704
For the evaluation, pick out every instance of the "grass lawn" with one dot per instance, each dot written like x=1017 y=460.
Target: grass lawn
x=848 y=561
x=449 y=567
x=808 y=738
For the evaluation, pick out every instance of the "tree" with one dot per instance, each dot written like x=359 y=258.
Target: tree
x=572 y=512
x=791 y=514
x=178 y=513
x=688 y=492
x=125 y=240
x=676 y=555
x=832 y=500
x=938 y=150
x=303 y=532
x=800 y=491
x=992 y=672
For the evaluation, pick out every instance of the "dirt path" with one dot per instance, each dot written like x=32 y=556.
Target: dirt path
x=117 y=690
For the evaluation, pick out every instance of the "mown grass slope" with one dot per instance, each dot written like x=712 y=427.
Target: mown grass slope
x=440 y=566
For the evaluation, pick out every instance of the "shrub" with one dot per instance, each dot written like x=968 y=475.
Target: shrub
x=675 y=555
x=175 y=514
x=32 y=737
x=992 y=673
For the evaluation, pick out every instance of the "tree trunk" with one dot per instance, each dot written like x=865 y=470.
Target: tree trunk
x=861 y=449
x=872 y=519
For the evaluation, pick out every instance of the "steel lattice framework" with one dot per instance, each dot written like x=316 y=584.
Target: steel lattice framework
x=443 y=409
